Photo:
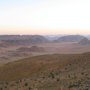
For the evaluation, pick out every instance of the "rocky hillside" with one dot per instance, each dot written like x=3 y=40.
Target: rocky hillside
x=47 y=72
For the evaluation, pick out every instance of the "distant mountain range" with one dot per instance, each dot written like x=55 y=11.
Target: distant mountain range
x=6 y=40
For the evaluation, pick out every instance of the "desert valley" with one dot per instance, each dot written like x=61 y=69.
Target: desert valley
x=37 y=62
x=44 y=44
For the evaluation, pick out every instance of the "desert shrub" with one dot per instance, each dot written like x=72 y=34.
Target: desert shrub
x=58 y=79
x=57 y=73
x=26 y=84
x=1 y=88
x=29 y=88
x=52 y=75
x=86 y=89
x=43 y=77
x=17 y=82
x=82 y=73
x=69 y=76
x=74 y=85
x=5 y=86
x=6 y=83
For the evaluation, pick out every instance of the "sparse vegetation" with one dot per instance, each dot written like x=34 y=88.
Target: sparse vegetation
x=70 y=71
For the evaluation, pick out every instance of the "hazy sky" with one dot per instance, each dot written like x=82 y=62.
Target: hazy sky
x=44 y=16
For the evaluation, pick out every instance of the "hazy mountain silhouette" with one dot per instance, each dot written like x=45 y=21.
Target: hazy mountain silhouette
x=23 y=39
x=70 y=38
x=84 y=41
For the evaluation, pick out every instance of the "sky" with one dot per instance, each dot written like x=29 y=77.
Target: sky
x=44 y=16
